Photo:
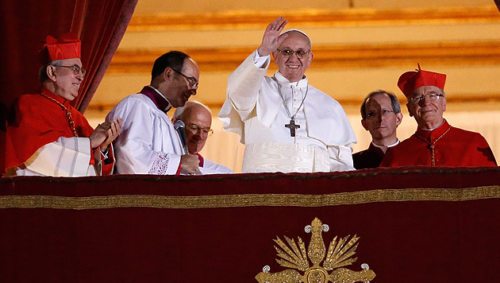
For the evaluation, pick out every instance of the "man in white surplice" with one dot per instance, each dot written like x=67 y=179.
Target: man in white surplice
x=286 y=124
x=149 y=143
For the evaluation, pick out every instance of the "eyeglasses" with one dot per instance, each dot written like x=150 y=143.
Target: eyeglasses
x=433 y=96
x=373 y=114
x=192 y=81
x=289 y=52
x=197 y=129
x=77 y=70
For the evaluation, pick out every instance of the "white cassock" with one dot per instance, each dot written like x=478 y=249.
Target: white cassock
x=148 y=143
x=65 y=157
x=258 y=107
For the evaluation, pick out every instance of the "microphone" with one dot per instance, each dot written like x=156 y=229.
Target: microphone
x=179 y=126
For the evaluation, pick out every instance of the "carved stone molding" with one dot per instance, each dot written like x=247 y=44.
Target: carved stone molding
x=340 y=56
x=311 y=17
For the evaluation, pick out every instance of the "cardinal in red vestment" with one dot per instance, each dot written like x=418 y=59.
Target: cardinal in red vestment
x=435 y=143
x=49 y=137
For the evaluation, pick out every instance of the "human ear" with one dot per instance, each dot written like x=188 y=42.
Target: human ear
x=363 y=123
x=399 y=118
x=50 y=71
x=167 y=73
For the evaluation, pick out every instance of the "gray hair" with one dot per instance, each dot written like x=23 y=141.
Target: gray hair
x=42 y=72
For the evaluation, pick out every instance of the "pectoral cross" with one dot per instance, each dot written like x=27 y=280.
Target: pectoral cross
x=292 y=126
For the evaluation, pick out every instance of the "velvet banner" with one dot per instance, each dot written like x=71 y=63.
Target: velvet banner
x=413 y=224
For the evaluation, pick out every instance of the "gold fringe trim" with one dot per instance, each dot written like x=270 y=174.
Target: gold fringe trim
x=250 y=200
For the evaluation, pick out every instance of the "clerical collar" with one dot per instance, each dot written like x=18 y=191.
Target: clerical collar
x=430 y=136
x=157 y=97
x=282 y=80
x=386 y=146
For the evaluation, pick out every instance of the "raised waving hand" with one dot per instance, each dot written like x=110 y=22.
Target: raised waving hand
x=271 y=39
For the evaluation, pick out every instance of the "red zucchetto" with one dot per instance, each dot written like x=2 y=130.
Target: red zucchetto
x=67 y=46
x=409 y=81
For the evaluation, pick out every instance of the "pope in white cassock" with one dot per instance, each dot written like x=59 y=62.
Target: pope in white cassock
x=286 y=124
x=149 y=143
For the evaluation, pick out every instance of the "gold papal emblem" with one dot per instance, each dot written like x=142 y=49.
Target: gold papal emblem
x=294 y=255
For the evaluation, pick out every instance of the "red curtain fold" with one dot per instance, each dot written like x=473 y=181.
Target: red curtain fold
x=103 y=28
x=25 y=23
x=23 y=27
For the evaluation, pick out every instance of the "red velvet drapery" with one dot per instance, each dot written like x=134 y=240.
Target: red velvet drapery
x=25 y=23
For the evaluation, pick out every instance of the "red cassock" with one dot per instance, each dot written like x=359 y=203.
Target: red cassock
x=445 y=146
x=40 y=121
